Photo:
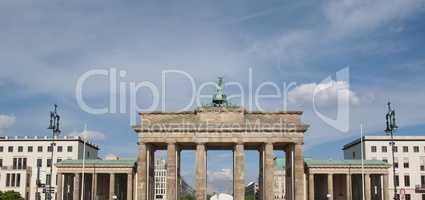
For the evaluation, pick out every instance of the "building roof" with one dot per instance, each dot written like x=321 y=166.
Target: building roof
x=383 y=138
x=47 y=138
x=98 y=162
x=368 y=163
x=280 y=163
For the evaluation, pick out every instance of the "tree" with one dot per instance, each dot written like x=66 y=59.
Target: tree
x=10 y=195
x=187 y=197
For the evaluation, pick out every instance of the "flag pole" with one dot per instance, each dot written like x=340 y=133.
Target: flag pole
x=84 y=159
x=362 y=157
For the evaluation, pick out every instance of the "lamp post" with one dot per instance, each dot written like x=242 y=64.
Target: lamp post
x=54 y=126
x=391 y=127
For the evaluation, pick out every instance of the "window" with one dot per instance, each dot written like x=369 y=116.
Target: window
x=407 y=197
x=49 y=162
x=407 y=180
x=395 y=149
x=423 y=196
x=24 y=163
x=40 y=149
x=1 y=162
x=18 y=180
x=396 y=163
x=12 y=183
x=20 y=149
x=19 y=163
x=385 y=160
x=29 y=149
x=397 y=181
x=423 y=180
x=48 y=179
x=1 y=148
x=49 y=148
x=384 y=149
x=10 y=149
x=69 y=148
x=405 y=149
x=15 y=163
x=373 y=148
x=58 y=160
x=39 y=162
x=416 y=149
x=406 y=163
x=7 y=180
x=354 y=155
x=60 y=148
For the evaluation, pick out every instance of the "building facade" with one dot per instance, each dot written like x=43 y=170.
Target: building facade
x=160 y=180
x=111 y=179
x=25 y=162
x=409 y=159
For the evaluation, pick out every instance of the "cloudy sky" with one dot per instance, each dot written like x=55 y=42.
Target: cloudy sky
x=47 y=46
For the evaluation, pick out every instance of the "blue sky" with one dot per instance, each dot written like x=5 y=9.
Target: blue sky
x=47 y=45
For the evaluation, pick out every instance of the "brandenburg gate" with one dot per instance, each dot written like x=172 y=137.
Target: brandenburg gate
x=220 y=126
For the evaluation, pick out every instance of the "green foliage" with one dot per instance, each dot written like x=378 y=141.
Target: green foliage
x=249 y=197
x=10 y=195
x=187 y=197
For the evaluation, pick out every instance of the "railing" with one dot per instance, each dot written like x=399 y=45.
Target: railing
x=420 y=188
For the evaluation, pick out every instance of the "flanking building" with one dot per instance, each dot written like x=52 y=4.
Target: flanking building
x=25 y=162
x=409 y=161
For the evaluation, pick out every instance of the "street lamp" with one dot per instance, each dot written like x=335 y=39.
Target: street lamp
x=54 y=126
x=391 y=127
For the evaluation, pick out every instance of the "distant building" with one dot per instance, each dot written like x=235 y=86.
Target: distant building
x=278 y=183
x=186 y=189
x=279 y=179
x=252 y=189
x=160 y=184
x=24 y=161
x=409 y=161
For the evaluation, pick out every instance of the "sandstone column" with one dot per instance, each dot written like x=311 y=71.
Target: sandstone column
x=150 y=172
x=129 y=186
x=299 y=171
x=111 y=185
x=239 y=174
x=367 y=186
x=311 y=187
x=261 y=174
x=142 y=172
x=76 y=193
x=94 y=186
x=289 y=172
x=268 y=171
x=330 y=186
x=385 y=187
x=348 y=185
x=171 y=172
x=59 y=186
x=179 y=185
x=201 y=172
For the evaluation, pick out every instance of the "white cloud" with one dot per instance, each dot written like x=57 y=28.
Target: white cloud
x=324 y=94
x=222 y=174
x=220 y=180
x=91 y=135
x=349 y=16
x=6 y=121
